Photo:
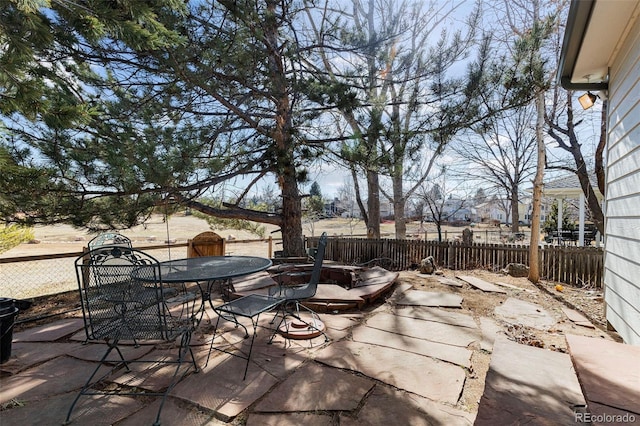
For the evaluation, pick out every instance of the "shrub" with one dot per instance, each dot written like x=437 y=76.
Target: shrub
x=12 y=235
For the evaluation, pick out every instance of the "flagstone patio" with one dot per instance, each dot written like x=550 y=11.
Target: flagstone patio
x=401 y=361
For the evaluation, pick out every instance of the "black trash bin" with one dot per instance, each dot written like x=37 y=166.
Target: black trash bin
x=8 y=313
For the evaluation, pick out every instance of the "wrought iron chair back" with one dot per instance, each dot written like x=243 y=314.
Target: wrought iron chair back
x=124 y=299
x=109 y=239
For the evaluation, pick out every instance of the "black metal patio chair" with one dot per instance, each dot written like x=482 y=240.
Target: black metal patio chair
x=109 y=239
x=295 y=295
x=124 y=299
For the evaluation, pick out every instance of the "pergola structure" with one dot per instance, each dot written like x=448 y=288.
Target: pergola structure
x=568 y=187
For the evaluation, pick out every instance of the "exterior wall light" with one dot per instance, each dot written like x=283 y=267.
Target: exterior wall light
x=587 y=100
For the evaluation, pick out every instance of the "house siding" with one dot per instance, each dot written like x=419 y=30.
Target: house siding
x=622 y=243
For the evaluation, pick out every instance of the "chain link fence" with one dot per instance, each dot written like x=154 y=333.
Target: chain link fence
x=29 y=277
x=36 y=276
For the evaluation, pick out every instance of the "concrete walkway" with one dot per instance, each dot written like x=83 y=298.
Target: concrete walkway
x=399 y=364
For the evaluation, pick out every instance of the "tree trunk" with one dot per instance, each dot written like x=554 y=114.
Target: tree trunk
x=515 y=212
x=291 y=229
x=534 y=251
x=581 y=170
x=599 y=166
x=373 y=204
x=356 y=186
x=575 y=149
x=399 y=208
x=292 y=241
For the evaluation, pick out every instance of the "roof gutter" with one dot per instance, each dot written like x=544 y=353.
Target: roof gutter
x=577 y=22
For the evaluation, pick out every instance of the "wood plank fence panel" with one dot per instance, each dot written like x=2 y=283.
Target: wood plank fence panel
x=578 y=266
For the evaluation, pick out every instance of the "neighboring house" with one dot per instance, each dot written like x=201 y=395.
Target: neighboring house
x=490 y=211
x=545 y=210
x=494 y=210
x=333 y=208
x=452 y=209
x=601 y=52
x=522 y=213
x=386 y=209
x=455 y=210
x=348 y=208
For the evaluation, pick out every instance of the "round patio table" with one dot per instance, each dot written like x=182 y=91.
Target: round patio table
x=211 y=268
x=205 y=271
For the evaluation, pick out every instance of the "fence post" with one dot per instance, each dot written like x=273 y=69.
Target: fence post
x=270 y=247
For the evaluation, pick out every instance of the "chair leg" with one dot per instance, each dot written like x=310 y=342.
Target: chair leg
x=215 y=329
x=283 y=314
x=89 y=381
x=185 y=340
x=295 y=313
x=313 y=315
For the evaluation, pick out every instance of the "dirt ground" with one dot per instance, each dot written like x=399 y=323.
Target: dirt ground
x=179 y=228
x=477 y=303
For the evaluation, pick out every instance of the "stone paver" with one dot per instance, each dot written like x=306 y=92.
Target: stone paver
x=430 y=298
x=437 y=315
x=428 y=330
x=60 y=375
x=490 y=332
x=527 y=385
x=397 y=292
x=174 y=413
x=27 y=354
x=516 y=311
x=419 y=374
x=386 y=406
x=577 y=318
x=50 y=332
x=91 y=410
x=481 y=284
x=609 y=373
x=95 y=352
x=153 y=372
x=279 y=358
x=441 y=351
x=342 y=322
x=449 y=282
x=513 y=287
x=315 y=387
x=394 y=364
x=290 y=419
x=219 y=386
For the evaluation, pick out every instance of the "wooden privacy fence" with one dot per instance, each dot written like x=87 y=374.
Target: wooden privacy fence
x=570 y=265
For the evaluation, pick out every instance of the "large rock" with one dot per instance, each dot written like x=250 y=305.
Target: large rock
x=428 y=265
x=516 y=270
